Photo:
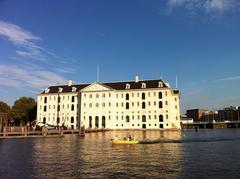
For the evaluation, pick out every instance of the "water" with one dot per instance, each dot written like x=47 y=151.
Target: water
x=185 y=154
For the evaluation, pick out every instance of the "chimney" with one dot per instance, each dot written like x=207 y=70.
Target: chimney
x=137 y=78
x=70 y=82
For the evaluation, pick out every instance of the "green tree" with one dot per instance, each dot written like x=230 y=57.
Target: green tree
x=24 y=111
x=4 y=107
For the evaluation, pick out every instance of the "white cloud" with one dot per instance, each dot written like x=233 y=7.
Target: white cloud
x=232 y=78
x=204 y=6
x=17 y=35
x=20 y=77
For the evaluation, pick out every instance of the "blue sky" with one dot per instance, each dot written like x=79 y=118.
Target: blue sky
x=48 y=42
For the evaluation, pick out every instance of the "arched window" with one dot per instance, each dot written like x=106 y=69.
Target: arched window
x=72 y=107
x=90 y=105
x=127 y=119
x=72 y=99
x=96 y=122
x=160 y=118
x=143 y=95
x=127 y=96
x=160 y=104
x=127 y=105
x=45 y=99
x=58 y=108
x=103 y=104
x=59 y=99
x=103 y=122
x=143 y=118
x=143 y=105
x=97 y=95
x=161 y=126
x=103 y=95
x=160 y=95
x=58 y=120
x=44 y=120
x=90 y=122
x=72 y=119
x=97 y=105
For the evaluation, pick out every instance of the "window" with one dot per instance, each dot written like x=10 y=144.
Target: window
x=63 y=106
x=97 y=95
x=161 y=126
x=155 y=116
x=160 y=95
x=72 y=119
x=127 y=96
x=165 y=93
x=45 y=108
x=103 y=104
x=155 y=103
x=154 y=94
x=149 y=117
x=167 y=116
x=109 y=94
x=149 y=103
x=166 y=103
x=90 y=121
x=72 y=99
x=132 y=104
x=72 y=107
x=116 y=104
x=58 y=108
x=122 y=104
x=85 y=95
x=63 y=97
x=132 y=94
x=143 y=95
x=45 y=99
x=143 y=105
x=90 y=96
x=160 y=104
x=84 y=104
x=175 y=106
x=103 y=95
x=60 y=90
x=149 y=94
x=143 y=85
x=103 y=122
x=97 y=105
x=122 y=95
x=161 y=118
x=109 y=104
x=116 y=95
x=127 y=86
x=160 y=84
x=44 y=120
x=127 y=105
x=175 y=99
x=58 y=120
x=59 y=99
x=127 y=119
x=143 y=118
x=90 y=105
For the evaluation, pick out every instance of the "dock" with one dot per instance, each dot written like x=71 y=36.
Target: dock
x=211 y=125
x=23 y=132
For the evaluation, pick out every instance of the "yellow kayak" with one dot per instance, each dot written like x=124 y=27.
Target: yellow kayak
x=125 y=142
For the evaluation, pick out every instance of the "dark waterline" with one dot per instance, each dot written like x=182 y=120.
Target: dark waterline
x=179 y=154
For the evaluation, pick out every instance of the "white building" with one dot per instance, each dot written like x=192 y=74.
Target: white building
x=150 y=104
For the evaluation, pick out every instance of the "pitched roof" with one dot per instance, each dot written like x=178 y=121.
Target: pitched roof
x=114 y=85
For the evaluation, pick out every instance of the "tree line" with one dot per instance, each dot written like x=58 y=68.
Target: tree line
x=23 y=111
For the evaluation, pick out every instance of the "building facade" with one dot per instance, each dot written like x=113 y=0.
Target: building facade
x=148 y=104
x=4 y=120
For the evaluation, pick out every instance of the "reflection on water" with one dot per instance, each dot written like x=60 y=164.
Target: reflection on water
x=94 y=156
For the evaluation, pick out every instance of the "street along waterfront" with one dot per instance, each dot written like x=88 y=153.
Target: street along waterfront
x=206 y=153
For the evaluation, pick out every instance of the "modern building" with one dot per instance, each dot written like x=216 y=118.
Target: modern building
x=137 y=104
x=197 y=114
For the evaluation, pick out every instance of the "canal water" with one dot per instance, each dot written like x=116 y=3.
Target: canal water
x=179 y=154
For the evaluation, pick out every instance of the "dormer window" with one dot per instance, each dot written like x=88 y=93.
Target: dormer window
x=74 y=89
x=60 y=90
x=46 y=90
x=127 y=86
x=160 y=84
x=143 y=85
